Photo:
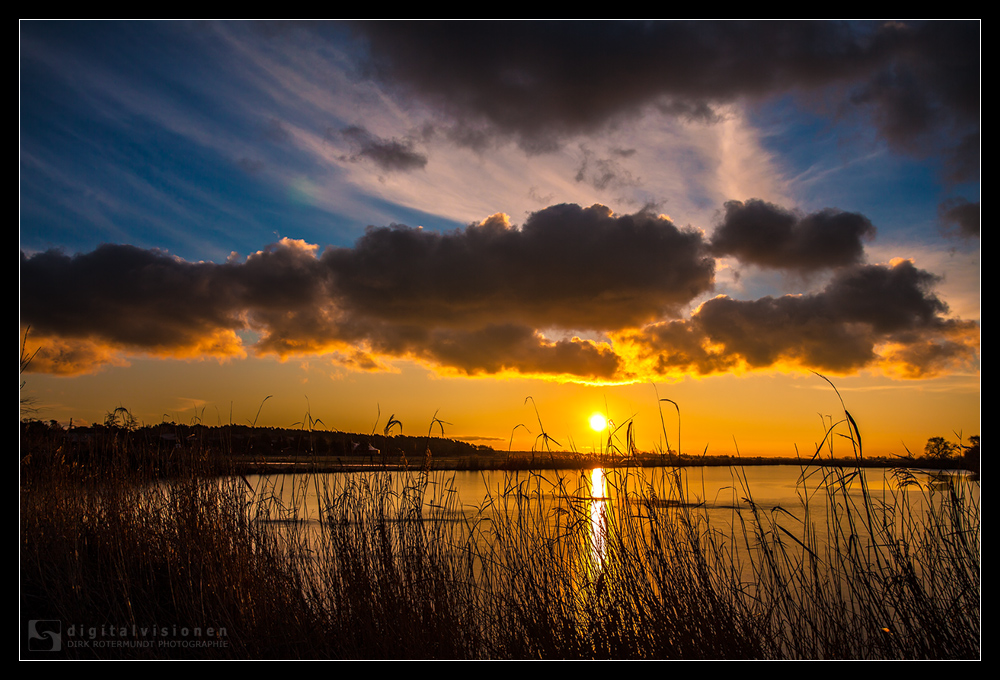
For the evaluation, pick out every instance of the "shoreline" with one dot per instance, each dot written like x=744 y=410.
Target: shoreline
x=521 y=461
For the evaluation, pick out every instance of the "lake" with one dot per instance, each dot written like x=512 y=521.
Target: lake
x=737 y=507
x=762 y=562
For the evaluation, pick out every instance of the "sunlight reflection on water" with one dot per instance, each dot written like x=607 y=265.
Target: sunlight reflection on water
x=722 y=500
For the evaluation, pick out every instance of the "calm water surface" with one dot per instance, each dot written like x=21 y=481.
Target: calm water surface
x=721 y=497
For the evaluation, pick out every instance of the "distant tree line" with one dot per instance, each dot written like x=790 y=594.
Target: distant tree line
x=122 y=438
x=166 y=445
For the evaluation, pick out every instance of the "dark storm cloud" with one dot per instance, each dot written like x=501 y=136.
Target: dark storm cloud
x=134 y=297
x=770 y=236
x=567 y=266
x=390 y=155
x=479 y=300
x=473 y=299
x=540 y=81
x=960 y=217
x=928 y=84
x=868 y=314
x=128 y=299
x=493 y=349
x=283 y=277
x=470 y=299
x=496 y=348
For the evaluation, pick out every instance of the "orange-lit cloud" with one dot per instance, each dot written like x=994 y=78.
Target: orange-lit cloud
x=867 y=316
x=495 y=298
x=80 y=356
x=60 y=356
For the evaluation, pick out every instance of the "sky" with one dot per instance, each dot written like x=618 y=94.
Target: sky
x=505 y=227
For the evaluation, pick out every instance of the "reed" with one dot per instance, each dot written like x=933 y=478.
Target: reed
x=547 y=567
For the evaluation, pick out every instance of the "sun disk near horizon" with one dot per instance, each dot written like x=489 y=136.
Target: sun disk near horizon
x=598 y=422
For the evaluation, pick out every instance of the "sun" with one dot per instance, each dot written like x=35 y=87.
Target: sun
x=598 y=422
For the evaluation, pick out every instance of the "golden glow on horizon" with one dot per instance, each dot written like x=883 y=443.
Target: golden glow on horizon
x=758 y=414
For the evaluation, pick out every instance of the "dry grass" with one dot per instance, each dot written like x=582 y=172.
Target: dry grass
x=396 y=569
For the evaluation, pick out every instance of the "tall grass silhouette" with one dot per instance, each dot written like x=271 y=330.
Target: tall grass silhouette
x=545 y=567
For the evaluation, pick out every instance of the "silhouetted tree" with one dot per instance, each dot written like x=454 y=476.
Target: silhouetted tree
x=938 y=448
x=970 y=454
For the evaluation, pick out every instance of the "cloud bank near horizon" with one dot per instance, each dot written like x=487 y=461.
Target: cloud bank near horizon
x=572 y=293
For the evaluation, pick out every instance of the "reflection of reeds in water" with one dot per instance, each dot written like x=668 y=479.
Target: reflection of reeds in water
x=399 y=569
